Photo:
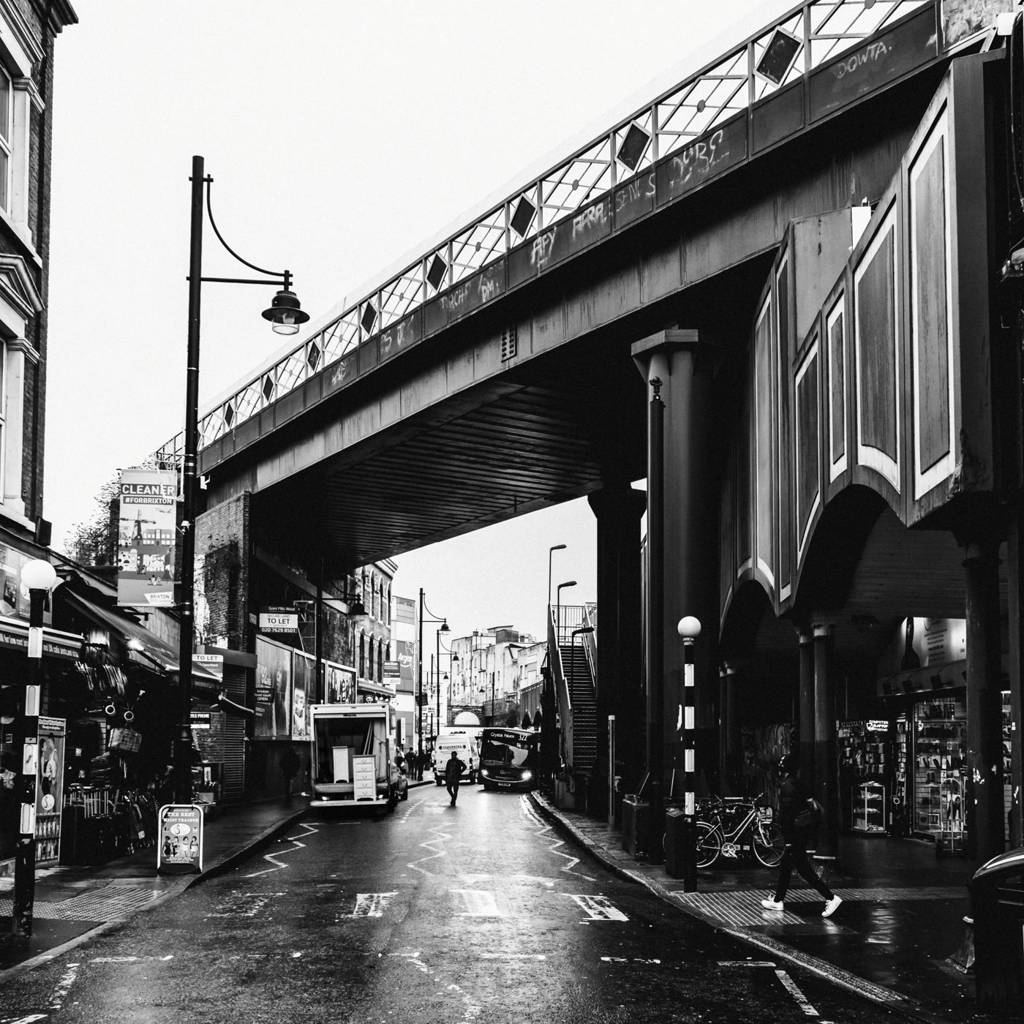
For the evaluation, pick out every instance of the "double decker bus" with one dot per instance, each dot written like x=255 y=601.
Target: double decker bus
x=509 y=758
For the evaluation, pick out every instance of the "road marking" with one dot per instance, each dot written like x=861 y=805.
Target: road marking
x=512 y=956
x=241 y=904
x=627 y=960
x=439 y=837
x=30 y=1019
x=746 y=963
x=127 y=959
x=371 y=904
x=296 y=845
x=479 y=903
x=791 y=987
x=63 y=986
x=599 y=908
x=543 y=827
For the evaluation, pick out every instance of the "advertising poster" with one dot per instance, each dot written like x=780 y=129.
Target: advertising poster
x=303 y=693
x=179 y=847
x=273 y=690
x=145 y=537
x=49 y=789
x=962 y=18
x=340 y=683
x=404 y=651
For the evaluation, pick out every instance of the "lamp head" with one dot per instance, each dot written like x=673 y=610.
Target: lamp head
x=39 y=574
x=688 y=628
x=557 y=547
x=285 y=313
x=356 y=608
x=567 y=583
x=445 y=628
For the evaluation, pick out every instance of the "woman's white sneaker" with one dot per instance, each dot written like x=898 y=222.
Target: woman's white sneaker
x=773 y=904
x=832 y=906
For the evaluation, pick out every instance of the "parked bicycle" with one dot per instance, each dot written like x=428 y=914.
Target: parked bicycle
x=730 y=826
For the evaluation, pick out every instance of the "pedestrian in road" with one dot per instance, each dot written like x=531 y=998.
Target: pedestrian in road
x=453 y=770
x=796 y=813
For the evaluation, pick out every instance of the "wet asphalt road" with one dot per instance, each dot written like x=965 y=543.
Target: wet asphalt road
x=476 y=913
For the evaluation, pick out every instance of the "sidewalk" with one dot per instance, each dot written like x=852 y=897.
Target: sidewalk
x=889 y=941
x=73 y=903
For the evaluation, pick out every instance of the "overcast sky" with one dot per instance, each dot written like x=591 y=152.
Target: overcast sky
x=340 y=135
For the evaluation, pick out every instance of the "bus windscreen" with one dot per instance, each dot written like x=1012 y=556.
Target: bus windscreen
x=508 y=756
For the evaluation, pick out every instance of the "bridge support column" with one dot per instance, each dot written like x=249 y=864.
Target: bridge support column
x=618 y=509
x=984 y=804
x=826 y=769
x=806 y=705
x=684 y=580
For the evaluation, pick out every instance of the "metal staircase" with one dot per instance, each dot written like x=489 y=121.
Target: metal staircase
x=572 y=660
x=579 y=680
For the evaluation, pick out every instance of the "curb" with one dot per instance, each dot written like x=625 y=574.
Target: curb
x=879 y=994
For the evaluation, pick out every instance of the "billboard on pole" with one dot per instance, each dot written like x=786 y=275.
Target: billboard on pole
x=145 y=537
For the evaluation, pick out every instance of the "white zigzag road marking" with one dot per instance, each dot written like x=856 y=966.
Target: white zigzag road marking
x=429 y=844
x=543 y=827
x=296 y=845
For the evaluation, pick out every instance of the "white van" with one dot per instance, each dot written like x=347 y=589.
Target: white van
x=465 y=745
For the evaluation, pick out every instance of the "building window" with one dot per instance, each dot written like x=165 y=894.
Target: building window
x=362 y=656
x=6 y=138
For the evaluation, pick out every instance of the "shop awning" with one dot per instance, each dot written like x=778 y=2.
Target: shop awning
x=144 y=648
x=379 y=691
x=56 y=643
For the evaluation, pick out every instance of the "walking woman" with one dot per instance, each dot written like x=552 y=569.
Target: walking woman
x=794 y=800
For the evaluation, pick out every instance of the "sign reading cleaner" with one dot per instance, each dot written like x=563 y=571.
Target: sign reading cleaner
x=146 y=534
x=179 y=845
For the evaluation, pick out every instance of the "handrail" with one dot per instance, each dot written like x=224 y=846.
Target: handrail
x=788 y=49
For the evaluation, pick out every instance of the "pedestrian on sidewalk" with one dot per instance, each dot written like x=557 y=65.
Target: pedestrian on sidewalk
x=796 y=813
x=453 y=770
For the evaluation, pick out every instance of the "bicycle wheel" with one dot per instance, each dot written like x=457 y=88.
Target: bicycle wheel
x=768 y=843
x=709 y=844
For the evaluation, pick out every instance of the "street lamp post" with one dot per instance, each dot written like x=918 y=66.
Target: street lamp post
x=419 y=670
x=551 y=551
x=688 y=629
x=558 y=608
x=40 y=578
x=287 y=317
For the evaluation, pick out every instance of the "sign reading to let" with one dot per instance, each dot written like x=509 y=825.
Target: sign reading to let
x=179 y=844
x=279 y=622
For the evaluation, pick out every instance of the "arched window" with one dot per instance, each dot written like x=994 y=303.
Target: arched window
x=362 y=655
x=380 y=662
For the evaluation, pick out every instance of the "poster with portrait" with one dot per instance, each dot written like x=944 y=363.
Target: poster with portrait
x=303 y=693
x=49 y=788
x=273 y=697
x=340 y=683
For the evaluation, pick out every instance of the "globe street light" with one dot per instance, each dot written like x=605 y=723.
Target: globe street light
x=688 y=629
x=39 y=577
x=286 y=316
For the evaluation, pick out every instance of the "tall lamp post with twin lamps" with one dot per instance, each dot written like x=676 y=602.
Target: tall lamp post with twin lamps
x=286 y=317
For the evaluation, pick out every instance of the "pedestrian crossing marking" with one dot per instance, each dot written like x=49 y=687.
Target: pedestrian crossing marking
x=372 y=904
x=479 y=903
x=599 y=908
